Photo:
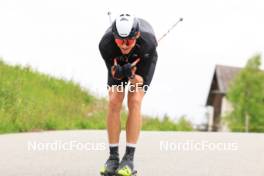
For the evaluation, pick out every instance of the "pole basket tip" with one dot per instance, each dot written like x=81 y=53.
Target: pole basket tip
x=181 y=19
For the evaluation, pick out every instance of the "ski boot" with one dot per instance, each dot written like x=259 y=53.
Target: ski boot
x=126 y=167
x=110 y=166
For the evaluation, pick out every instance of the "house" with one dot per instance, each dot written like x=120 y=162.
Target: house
x=223 y=75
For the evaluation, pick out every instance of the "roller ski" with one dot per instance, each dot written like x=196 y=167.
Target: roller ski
x=110 y=167
x=126 y=167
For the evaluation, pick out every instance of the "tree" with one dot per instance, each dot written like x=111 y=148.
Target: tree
x=246 y=94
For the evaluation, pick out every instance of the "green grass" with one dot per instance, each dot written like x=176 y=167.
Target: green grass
x=32 y=101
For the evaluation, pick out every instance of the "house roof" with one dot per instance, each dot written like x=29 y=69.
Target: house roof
x=224 y=75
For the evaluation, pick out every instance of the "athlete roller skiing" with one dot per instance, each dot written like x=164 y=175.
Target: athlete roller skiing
x=128 y=48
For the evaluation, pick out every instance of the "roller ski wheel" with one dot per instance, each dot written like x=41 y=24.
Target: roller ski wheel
x=110 y=166
x=108 y=174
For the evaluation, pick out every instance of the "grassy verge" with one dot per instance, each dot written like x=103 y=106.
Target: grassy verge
x=32 y=101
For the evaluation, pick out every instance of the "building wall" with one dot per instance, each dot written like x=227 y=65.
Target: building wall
x=226 y=106
x=217 y=103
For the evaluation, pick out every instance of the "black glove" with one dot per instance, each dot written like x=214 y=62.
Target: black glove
x=126 y=69
x=118 y=71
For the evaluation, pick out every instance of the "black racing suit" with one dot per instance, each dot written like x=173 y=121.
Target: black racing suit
x=145 y=49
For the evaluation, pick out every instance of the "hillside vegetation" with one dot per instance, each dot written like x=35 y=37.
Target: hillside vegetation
x=32 y=101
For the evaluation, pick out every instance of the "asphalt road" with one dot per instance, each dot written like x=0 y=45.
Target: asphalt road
x=82 y=153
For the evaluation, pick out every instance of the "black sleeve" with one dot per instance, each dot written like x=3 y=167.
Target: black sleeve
x=105 y=55
x=106 y=49
x=147 y=65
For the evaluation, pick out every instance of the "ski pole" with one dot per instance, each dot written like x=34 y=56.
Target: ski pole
x=173 y=26
x=164 y=35
x=109 y=15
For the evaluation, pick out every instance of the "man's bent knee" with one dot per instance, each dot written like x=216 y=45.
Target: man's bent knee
x=115 y=100
x=134 y=100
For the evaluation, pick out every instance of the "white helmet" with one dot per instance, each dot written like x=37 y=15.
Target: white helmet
x=125 y=26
